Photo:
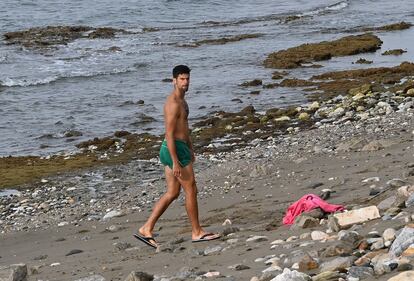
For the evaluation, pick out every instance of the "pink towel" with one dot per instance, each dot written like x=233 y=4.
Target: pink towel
x=306 y=203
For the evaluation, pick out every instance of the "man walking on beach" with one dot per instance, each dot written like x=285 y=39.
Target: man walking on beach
x=177 y=155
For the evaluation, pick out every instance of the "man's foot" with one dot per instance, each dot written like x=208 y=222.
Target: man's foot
x=145 y=235
x=149 y=240
x=206 y=237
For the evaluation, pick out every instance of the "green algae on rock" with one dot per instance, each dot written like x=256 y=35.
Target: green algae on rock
x=394 y=52
x=391 y=27
x=308 y=53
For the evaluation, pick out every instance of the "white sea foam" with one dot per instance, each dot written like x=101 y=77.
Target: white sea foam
x=26 y=82
x=334 y=7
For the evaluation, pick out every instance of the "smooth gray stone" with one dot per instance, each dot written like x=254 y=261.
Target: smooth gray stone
x=361 y=272
x=403 y=241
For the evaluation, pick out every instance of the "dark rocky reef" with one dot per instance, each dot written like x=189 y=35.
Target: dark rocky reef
x=309 y=53
x=221 y=41
x=41 y=37
x=390 y=27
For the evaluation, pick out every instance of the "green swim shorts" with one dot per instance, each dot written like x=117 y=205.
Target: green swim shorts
x=183 y=153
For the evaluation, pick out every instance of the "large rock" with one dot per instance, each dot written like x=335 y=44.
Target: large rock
x=328 y=276
x=139 y=276
x=292 y=275
x=357 y=216
x=404 y=276
x=337 y=264
x=361 y=272
x=14 y=272
x=305 y=221
x=338 y=248
x=383 y=263
x=403 y=241
x=386 y=203
x=351 y=237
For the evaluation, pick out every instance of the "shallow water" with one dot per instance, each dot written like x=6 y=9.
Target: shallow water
x=84 y=87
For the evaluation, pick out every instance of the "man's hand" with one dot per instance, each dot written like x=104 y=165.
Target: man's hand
x=177 y=170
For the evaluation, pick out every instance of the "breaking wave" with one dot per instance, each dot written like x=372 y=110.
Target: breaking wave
x=334 y=7
x=26 y=82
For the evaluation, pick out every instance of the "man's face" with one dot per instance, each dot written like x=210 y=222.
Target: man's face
x=182 y=82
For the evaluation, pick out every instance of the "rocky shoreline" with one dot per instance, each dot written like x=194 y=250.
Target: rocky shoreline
x=351 y=145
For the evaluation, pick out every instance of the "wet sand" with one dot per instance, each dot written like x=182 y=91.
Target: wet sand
x=252 y=188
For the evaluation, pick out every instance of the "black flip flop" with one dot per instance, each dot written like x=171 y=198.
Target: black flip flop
x=145 y=240
x=204 y=238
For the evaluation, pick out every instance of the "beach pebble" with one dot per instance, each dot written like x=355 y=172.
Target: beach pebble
x=337 y=264
x=389 y=234
x=74 y=252
x=139 y=276
x=291 y=238
x=113 y=214
x=239 y=267
x=328 y=276
x=211 y=274
x=292 y=275
x=396 y=182
x=212 y=250
x=272 y=268
x=404 y=239
x=319 y=235
x=277 y=242
x=361 y=272
x=257 y=239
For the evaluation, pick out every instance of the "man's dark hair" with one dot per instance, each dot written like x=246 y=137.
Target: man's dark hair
x=180 y=69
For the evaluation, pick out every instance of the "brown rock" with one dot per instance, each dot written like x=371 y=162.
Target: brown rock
x=395 y=52
x=307 y=53
x=337 y=249
x=307 y=263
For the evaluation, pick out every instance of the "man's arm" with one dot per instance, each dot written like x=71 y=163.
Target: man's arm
x=171 y=114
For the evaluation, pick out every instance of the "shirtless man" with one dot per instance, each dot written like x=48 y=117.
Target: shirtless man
x=177 y=155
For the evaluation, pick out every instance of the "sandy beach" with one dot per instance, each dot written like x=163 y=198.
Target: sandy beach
x=331 y=117
x=251 y=187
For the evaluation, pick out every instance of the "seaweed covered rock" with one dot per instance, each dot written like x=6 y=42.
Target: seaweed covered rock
x=39 y=37
x=308 y=53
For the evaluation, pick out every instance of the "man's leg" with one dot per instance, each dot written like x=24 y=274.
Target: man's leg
x=188 y=183
x=173 y=190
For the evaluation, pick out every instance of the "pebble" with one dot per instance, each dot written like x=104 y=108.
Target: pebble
x=257 y=239
x=319 y=235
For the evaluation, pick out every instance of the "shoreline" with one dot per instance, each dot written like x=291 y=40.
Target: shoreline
x=74 y=215
x=252 y=187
